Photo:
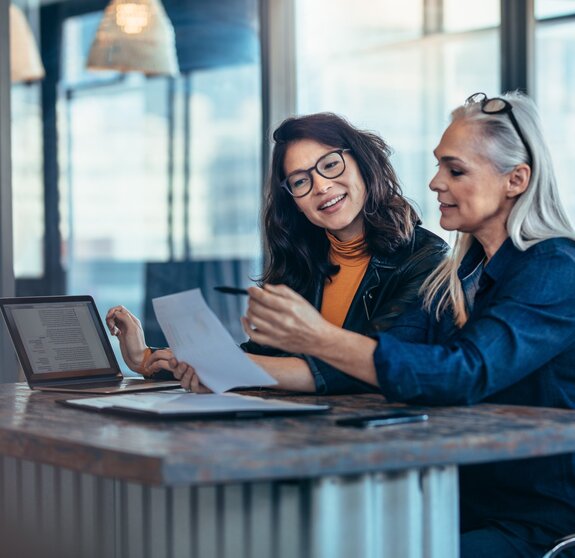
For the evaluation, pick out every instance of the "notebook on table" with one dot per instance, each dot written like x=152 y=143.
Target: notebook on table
x=191 y=405
x=63 y=346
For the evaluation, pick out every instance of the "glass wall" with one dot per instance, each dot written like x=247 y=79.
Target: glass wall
x=553 y=8
x=154 y=182
x=27 y=194
x=398 y=72
x=555 y=84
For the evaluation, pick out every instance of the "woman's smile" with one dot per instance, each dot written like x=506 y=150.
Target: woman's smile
x=332 y=204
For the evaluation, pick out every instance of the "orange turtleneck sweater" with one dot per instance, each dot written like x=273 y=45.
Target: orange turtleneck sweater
x=338 y=293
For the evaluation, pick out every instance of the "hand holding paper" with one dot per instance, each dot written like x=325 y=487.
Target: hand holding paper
x=197 y=337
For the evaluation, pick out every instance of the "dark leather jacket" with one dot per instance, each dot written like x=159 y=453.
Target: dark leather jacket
x=389 y=287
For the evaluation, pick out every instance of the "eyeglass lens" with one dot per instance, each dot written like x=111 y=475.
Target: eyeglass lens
x=330 y=165
x=495 y=105
x=489 y=106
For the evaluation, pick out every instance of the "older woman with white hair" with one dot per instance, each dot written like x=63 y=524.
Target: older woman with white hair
x=498 y=319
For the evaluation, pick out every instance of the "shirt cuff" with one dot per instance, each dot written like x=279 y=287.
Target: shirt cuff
x=320 y=384
x=395 y=376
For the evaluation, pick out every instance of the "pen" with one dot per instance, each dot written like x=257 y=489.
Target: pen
x=231 y=290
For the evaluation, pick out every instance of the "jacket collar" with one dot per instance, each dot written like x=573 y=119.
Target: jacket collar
x=496 y=265
x=473 y=257
x=376 y=263
x=500 y=261
x=370 y=280
x=473 y=275
x=393 y=260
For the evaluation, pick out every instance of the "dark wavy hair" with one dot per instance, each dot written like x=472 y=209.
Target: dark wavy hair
x=297 y=249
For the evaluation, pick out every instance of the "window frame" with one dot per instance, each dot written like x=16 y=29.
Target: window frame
x=8 y=367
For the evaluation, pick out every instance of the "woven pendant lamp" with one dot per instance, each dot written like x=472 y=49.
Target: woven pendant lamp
x=135 y=36
x=25 y=62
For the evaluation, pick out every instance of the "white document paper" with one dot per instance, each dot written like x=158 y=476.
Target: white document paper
x=190 y=404
x=197 y=337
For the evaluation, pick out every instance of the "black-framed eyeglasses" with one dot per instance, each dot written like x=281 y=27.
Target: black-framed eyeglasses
x=496 y=105
x=330 y=165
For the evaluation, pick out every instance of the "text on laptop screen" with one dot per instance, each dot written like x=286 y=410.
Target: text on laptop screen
x=59 y=337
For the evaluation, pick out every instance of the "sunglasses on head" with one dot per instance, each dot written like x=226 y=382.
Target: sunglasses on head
x=497 y=105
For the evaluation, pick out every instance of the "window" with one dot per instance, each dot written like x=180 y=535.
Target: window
x=553 y=8
x=555 y=83
x=394 y=71
x=158 y=178
x=27 y=193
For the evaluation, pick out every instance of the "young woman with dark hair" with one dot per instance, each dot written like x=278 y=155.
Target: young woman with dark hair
x=340 y=233
x=299 y=248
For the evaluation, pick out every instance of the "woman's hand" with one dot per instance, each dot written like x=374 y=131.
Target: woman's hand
x=164 y=359
x=187 y=376
x=279 y=317
x=128 y=329
x=158 y=360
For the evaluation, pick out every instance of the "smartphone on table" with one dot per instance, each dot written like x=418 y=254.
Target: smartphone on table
x=383 y=418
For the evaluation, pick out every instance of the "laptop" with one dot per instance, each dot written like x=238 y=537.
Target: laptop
x=62 y=346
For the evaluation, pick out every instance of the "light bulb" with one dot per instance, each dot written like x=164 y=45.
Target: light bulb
x=132 y=18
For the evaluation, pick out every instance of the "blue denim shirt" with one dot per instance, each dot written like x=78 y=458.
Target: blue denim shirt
x=518 y=347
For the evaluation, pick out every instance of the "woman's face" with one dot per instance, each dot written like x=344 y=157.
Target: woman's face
x=334 y=204
x=473 y=196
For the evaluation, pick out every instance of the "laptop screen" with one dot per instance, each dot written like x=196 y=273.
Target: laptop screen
x=59 y=338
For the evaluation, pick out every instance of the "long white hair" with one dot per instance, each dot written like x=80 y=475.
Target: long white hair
x=537 y=214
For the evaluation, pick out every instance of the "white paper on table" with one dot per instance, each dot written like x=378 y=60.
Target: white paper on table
x=197 y=337
x=190 y=404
